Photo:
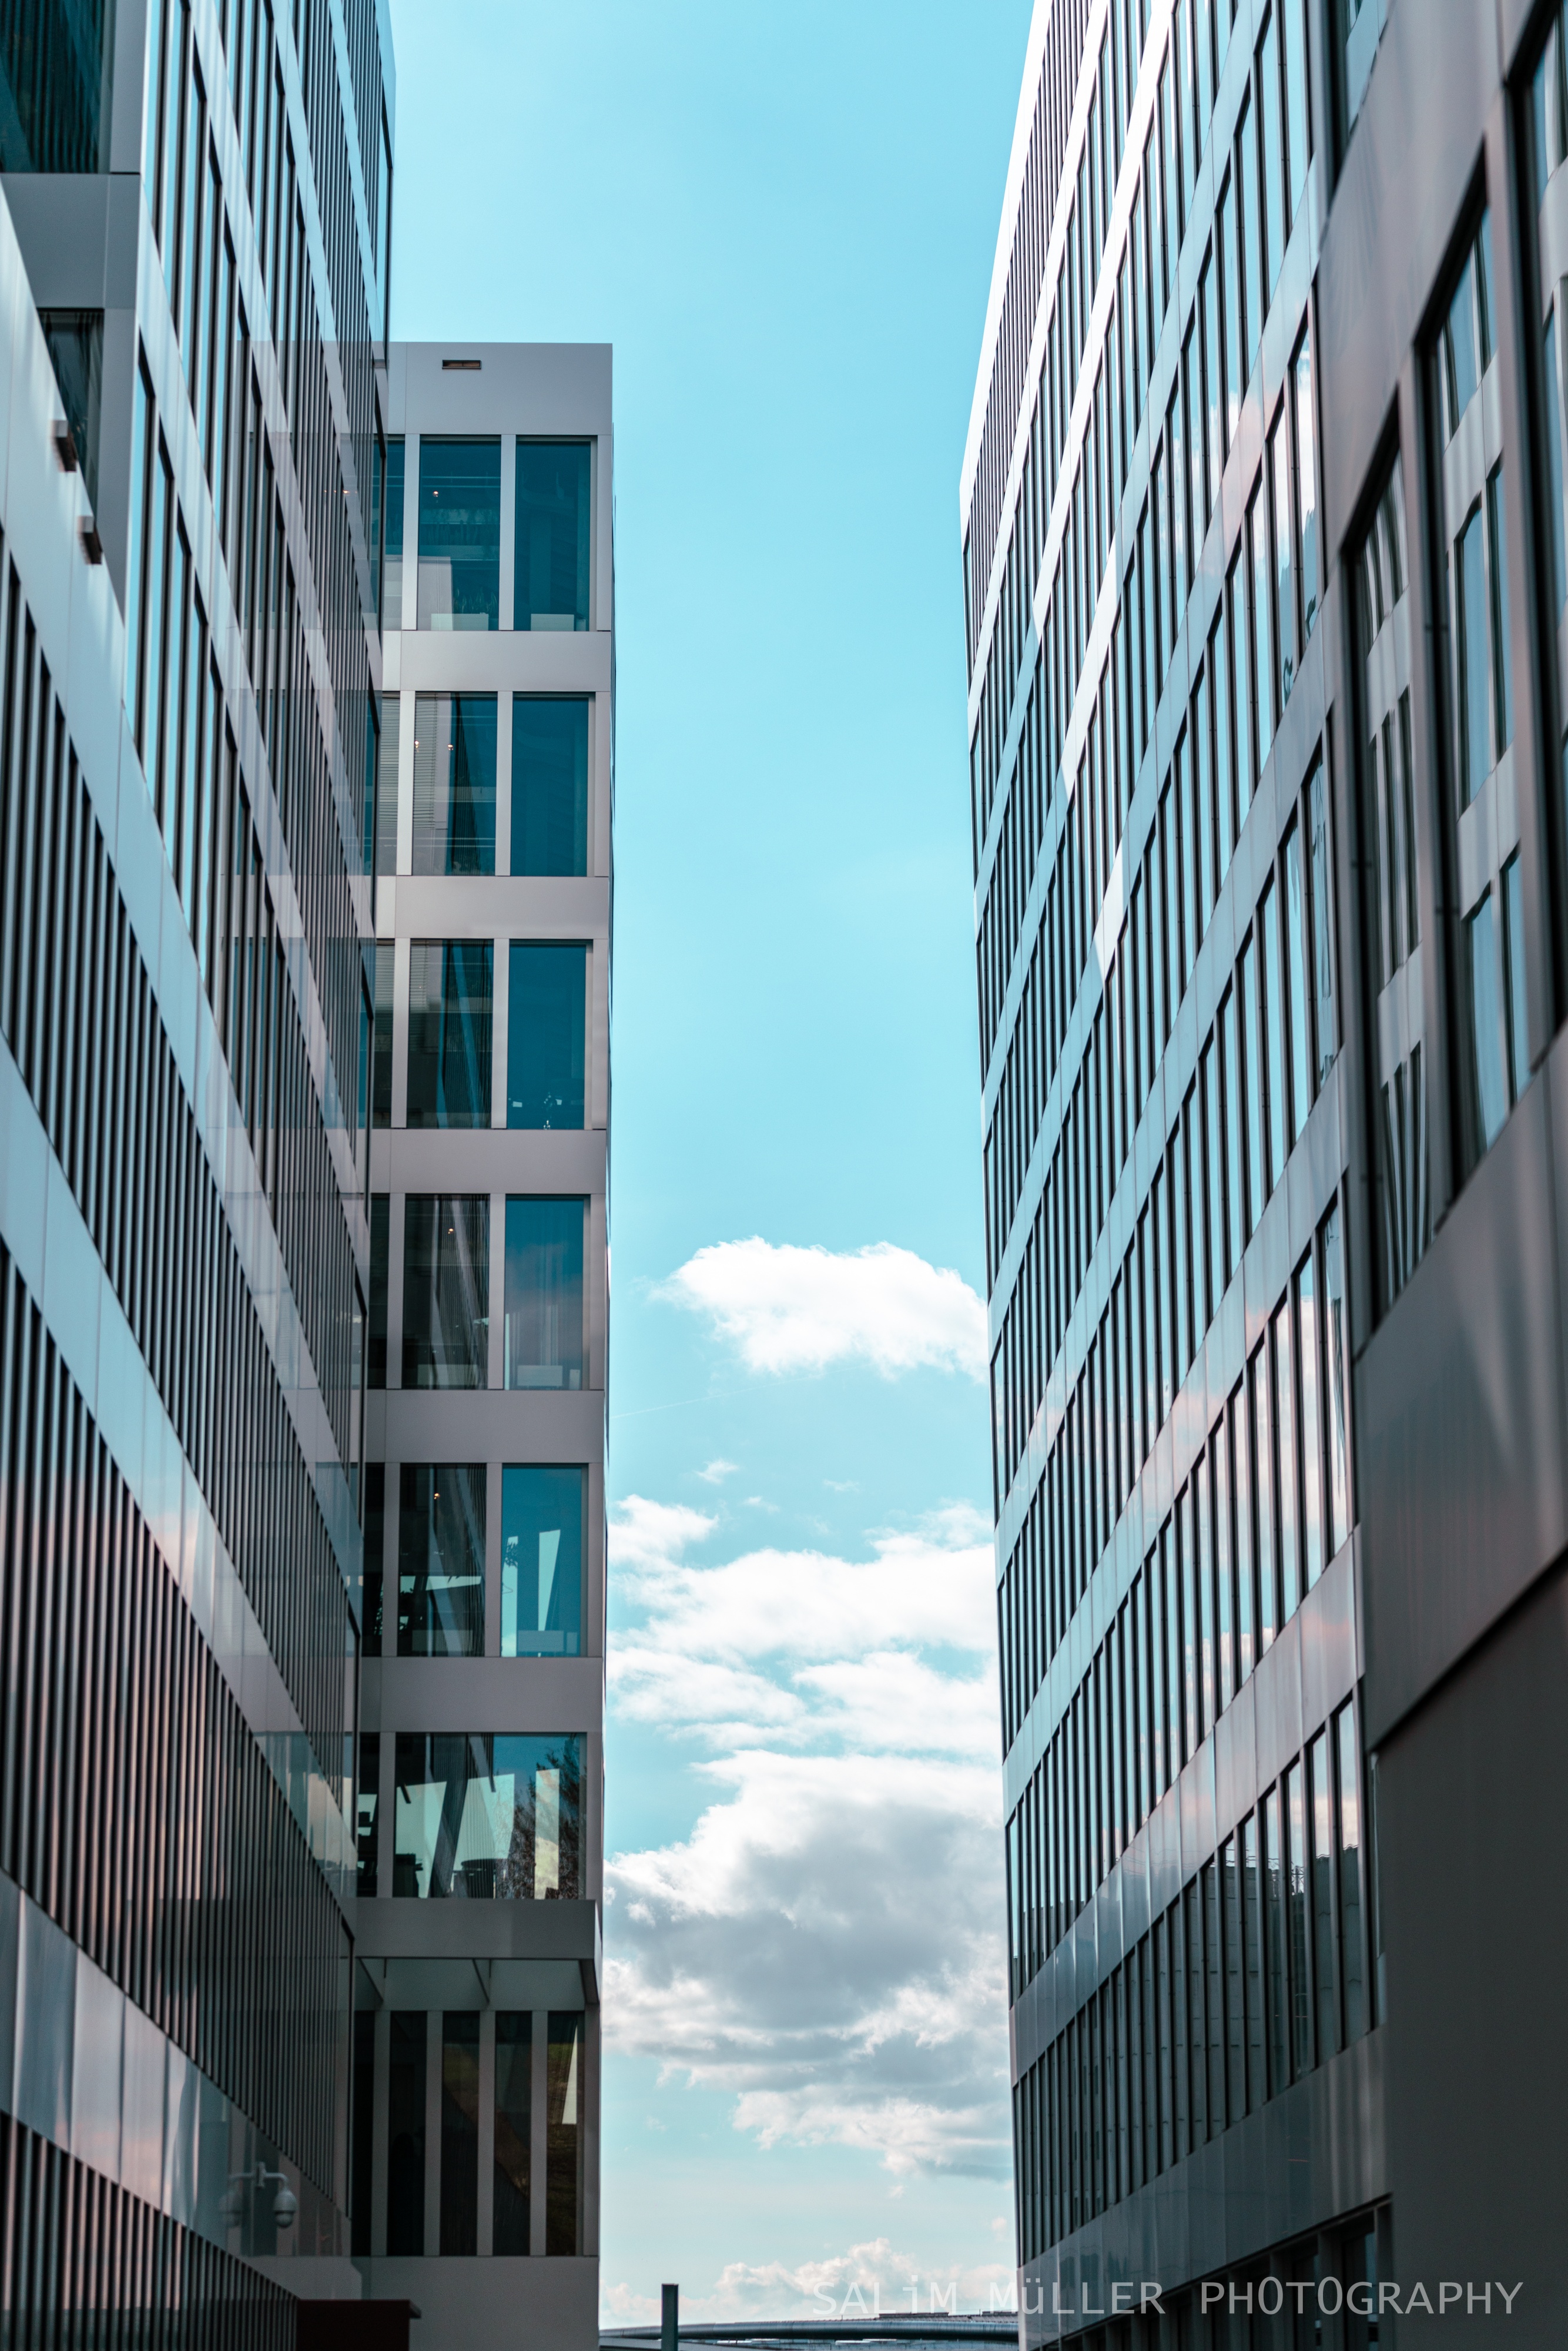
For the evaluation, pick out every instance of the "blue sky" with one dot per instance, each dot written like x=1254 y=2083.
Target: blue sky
x=784 y=222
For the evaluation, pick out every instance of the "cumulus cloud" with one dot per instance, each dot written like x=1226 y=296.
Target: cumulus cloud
x=798 y=1309
x=827 y=1945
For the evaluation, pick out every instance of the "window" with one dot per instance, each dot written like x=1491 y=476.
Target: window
x=1298 y=1002
x=382 y=1036
x=389 y=561
x=1306 y=486
x=405 y=2131
x=1487 y=1091
x=1358 y=29
x=550 y=785
x=1283 y=583
x=543 y=1332
x=455 y=783
x=449 y=1000
x=554 y=522
x=1513 y=964
x=564 y=2135
x=376 y=1344
x=1481 y=810
x=460 y=2132
x=74 y=340
x=542 y=1517
x=514 y=2130
x=546 y=1023
x=445 y=1291
x=1353 y=1956
x=441 y=1560
x=459 y=534
x=387 y=786
x=367 y=1793
x=487 y=1817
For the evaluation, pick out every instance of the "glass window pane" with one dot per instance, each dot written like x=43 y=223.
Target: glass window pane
x=542 y=1516
x=483 y=1817
x=554 y=517
x=405 y=2132
x=459 y=534
x=445 y=1291
x=367 y=1795
x=376 y=1345
x=1461 y=371
x=1284 y=585
x=550 y=785
x=514 y=2130
x=1554 y=459
x=460 y=2132
x=1262 y=589
x=386 y=786
x=1353 y=1964
x=441 y=1560
x=391 y=545
x=543 y=1327
x=1323 y=1955
x=1488 y=1094
x=1513 y=951
x=1298 y=1055
x=1502 y=659
x=547 y=1024
x=449 y=1032
x=1270 y=131
x=382 y=1044
x=1475 y=723
x=564 y=2134
x=455 y=783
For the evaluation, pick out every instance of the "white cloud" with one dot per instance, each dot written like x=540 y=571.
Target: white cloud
x=718 y=1471
x=798 y=1309
x=827 y=1945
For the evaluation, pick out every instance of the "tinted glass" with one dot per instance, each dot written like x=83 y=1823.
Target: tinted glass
x=549 y=786
x=445 y=1291
x=546 y=1035
x=459 y=534
x=455 y=783
x=441 y=1560
x=449 y=1027
x=554 y=516
x=542 y=1514
x=542 y=1339
x=487 y=1817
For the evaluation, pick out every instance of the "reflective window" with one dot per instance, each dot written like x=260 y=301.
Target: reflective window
x=543 y=1335
x=386 y=786
x=381 y=1037
x=459 y=534
x=455 y=783
x=554 y=517
x=449 y=1028
x=441 y=1560
x=445 y=1291
x=564 y=2135
x=482 y=1816
x=514 y=2130
x=550 y=785
x=460 y=2131
x=405 y=2132
x=542 y=1516
x=546 y=1022
x=366 y=1794
x=391 y=580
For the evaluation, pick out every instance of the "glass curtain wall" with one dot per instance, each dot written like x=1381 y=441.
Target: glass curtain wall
x=453 y=783
x=543 y=1511
x=445 y=1291
x=543 y=1334
x=441 y=1560
x=550 y=783
x=482 y=1817
x=547 y=1035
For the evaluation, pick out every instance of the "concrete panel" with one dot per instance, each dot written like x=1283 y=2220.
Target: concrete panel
x=1460 y=1425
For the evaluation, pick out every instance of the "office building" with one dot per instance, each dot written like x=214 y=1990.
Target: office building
x=1263 y=544
x=193 y=213
x=480 y=1781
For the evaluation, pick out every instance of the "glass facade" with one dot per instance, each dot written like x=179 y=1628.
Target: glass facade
x=445 y=1292
x=441 y=1560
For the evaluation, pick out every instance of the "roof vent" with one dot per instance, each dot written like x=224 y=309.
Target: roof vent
x=460 y=367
